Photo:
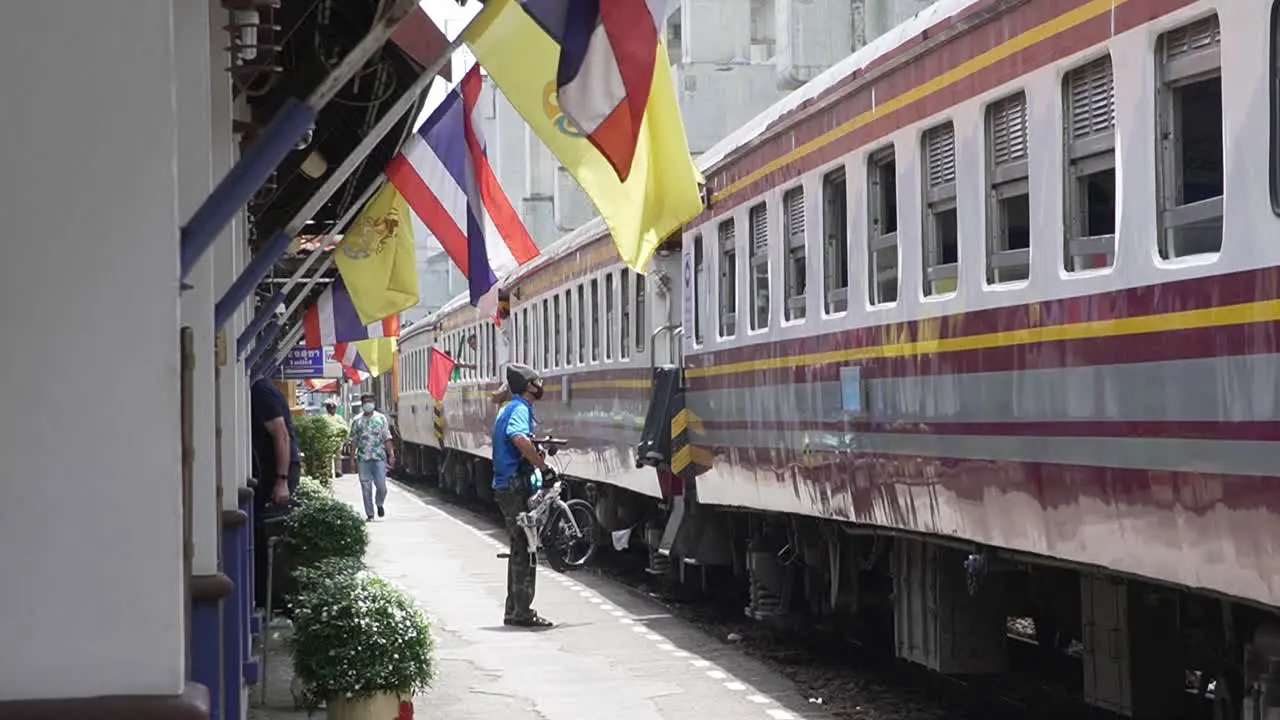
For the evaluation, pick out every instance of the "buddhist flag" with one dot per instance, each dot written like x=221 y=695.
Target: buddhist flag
x=376 y=258
x=535 y=50
x=439 y=368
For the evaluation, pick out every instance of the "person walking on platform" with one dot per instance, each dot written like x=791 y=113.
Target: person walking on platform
x=339 y=426
x=514 y=459
x=370 y=434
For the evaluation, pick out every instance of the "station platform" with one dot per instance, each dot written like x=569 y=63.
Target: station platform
x=613 y=653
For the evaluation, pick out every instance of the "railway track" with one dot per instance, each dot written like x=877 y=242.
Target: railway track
x=847 y=677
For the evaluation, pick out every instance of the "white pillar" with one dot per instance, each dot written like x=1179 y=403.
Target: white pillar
x=195 y=180
x=91 y=601
x=228 y=260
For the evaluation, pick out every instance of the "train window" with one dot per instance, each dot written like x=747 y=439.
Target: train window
x=493 y=351
x=698 y=301
x=557 y=343
x=642 y=318
x=1189 y=133
x=1009 y=203
x=582 y=325
x=1275 y=107
x=595 y=319
x=793 y=268
x=882 y=226
x=610 y=316
x=568 y=328
x=624 y=307
x=758 y=259
x=548 y=339
x=526 y=357
x=835 y=242
x=514 y=336
x=941 y=231
x=728 y=280
x=1090 y=99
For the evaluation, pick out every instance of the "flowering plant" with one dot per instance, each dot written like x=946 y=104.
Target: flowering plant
x=324 y=527
x=311 y=489
x=358 y=635
x=327 y=570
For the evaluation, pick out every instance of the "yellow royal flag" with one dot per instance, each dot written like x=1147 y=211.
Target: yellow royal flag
x=378 y=354
x=660 y=194
x=376 y=259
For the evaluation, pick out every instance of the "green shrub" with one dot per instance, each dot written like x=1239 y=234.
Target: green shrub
x=357 y=636
x=310 y=490
x=334 y=569
x=325 y=528
x=319 y=439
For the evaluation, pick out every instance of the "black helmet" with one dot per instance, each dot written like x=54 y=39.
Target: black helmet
x=520 y=377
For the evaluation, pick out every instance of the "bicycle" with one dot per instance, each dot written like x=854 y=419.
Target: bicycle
x=561 y=526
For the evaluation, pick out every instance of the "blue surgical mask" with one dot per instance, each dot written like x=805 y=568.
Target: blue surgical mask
x=367 y=407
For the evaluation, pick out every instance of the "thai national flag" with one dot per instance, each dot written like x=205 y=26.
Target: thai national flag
x=353 y=366
x=333 y=320
x=445 y=176
x=607 y=55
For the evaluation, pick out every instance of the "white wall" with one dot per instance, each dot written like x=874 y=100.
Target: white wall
x=91 y=593
x=230 y=255
x=195 y=180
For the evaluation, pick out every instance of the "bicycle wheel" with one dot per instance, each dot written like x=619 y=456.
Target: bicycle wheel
x=570 y=548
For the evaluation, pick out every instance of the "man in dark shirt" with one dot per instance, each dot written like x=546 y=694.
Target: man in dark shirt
x=275 y=445
x=277 y=470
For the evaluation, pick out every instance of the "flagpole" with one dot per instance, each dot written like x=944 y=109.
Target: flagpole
x=265 y=312
x=264 y=260
x=287 y=344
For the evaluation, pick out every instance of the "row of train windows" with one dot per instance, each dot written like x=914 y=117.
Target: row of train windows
x=473 y=358
x=598 y=319
x=601 y=318
x=1190 y=183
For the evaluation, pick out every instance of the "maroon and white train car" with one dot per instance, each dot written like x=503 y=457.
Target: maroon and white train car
x=980 y=324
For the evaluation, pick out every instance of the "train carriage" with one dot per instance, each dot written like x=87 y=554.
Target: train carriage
x=978 y=324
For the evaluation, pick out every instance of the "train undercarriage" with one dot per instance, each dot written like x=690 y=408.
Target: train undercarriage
x=1123 y=645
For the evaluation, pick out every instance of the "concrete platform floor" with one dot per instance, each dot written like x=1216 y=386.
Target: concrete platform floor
x=613 y=654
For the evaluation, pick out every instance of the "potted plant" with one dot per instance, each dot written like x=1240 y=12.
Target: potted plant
x=324 y=527
x=319 y=440
x=310 y=490
x=361 y=647
x=327 y=570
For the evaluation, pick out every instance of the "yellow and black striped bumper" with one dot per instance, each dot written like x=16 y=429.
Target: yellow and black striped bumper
x=689 y=455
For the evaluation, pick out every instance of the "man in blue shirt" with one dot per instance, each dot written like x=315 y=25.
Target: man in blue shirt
x=514 y=459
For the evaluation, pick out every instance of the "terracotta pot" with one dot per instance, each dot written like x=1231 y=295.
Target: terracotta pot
x=382 y=706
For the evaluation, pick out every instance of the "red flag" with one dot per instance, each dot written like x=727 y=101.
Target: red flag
x=439 y=368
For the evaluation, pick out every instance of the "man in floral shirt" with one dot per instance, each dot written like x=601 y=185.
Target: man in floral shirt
x=371 y=435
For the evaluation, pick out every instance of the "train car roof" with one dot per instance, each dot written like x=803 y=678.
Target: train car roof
x=760 y=128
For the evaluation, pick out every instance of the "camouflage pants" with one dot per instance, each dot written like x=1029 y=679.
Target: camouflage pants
x=521 y=574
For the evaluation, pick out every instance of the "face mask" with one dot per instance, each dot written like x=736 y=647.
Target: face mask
x=367 y=407
x=537 y=392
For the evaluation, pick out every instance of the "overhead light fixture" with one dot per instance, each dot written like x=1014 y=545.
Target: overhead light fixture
x=314 y=166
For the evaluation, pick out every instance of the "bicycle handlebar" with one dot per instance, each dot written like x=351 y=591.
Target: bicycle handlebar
x=548 y=440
